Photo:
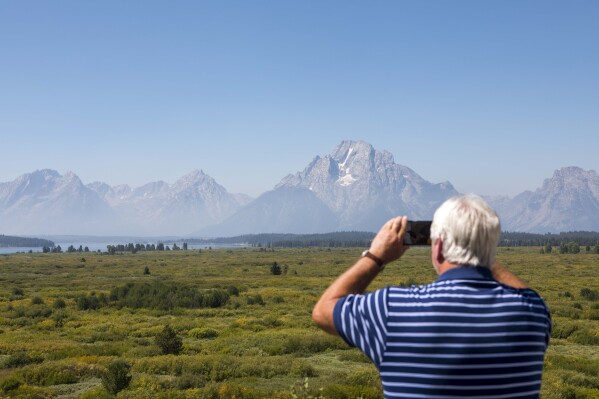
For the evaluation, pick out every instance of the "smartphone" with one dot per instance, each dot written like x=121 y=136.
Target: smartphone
x=418 y=233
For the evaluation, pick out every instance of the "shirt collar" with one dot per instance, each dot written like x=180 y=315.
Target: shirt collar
x=467 y=272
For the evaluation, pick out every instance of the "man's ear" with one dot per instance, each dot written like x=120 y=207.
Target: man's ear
x=438 y=251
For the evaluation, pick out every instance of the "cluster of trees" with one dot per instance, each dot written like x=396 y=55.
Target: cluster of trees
x=134 y=248
x=55 y=250
x=276 y=269
x=13 y=241
x=569 y=248
x=514 y=239
x=157 y=295
x=167 y=296
x=58 y=249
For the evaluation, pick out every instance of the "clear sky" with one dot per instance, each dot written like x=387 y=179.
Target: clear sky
x=490 y=95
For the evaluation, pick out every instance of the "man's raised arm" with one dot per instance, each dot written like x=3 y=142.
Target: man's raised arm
x=386 y=246
x=504 y=276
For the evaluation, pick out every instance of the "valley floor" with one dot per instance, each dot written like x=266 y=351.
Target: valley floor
x=245 y=332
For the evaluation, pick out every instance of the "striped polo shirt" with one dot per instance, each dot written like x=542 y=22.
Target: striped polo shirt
x=463 y=336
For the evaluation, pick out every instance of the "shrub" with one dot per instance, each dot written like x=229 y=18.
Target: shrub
x=36 y=300
x=302 y=369
x=203 y=333
x=589 y=294
x=232 y=290
x=302 y=345
x=117 y=376
x=190 y=380
x=585 y=336
x=353 y=356
x=350 y=392
x=10 y=384
x=54 y=374
x=255 y=300
x=59 y=317
x=59 y=304
x=96 y=393
x=168 y=341
x=146 y=271
x=367 y=377
x=35 y=311
x=91 y=301
x=229 y=391
x=21 y=359
x=563 y=330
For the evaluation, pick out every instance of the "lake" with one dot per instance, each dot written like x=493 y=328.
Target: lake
x=94 y=246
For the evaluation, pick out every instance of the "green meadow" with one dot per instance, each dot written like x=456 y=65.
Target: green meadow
x=240 y=331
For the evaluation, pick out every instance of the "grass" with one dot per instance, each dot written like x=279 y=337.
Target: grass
x=248 y=347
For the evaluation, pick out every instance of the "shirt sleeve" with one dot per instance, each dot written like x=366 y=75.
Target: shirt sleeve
x=537 y=299
x=361 y=320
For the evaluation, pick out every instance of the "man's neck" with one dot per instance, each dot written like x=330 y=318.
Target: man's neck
x=445 y=266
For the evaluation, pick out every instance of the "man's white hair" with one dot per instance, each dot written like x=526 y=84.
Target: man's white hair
x=469 y=229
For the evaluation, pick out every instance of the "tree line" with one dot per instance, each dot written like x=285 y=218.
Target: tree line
x=280 y=240
x=14 y=241
x=134 y=248
x=516 y=239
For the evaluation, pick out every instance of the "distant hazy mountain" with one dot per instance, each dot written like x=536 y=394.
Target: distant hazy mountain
x=354 y=188
x=284 y=210
x=194 y=200
x=44 y=202
x=568 y=201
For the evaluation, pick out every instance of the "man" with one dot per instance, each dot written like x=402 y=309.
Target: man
x=477 y=331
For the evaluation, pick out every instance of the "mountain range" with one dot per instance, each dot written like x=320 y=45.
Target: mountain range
x=355 y=187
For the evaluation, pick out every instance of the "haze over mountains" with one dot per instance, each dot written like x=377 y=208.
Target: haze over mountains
x=356 y=187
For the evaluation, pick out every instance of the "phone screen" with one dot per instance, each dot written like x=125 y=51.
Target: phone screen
x=418 y=233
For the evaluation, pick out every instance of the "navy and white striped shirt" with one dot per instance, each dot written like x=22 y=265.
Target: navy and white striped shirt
x=464 y=335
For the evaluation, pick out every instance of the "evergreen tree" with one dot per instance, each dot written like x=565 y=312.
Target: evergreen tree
x=563 y=248
x=573 y=248
x=168 y=341
x=275 y=269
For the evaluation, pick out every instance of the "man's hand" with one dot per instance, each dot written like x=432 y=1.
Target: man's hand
x=388 y=243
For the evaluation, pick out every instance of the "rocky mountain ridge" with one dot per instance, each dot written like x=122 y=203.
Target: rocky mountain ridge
x=45 y=202
x=568 y=201
x=355 y=187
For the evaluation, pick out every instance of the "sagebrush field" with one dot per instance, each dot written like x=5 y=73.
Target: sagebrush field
x=240 y=331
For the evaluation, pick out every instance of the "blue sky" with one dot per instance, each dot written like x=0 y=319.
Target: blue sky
x=490 y=95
